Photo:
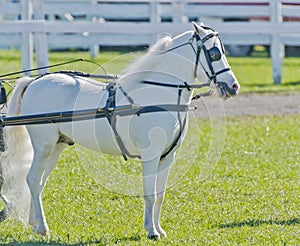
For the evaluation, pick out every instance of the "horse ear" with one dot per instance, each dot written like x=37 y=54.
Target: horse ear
x=197 y=28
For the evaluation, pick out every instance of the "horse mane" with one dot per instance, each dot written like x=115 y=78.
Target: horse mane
x=150 y=59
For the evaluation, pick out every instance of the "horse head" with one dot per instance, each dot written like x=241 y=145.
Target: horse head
x=211 y=62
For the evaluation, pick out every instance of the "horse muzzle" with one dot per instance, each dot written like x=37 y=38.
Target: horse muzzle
x=225 y=91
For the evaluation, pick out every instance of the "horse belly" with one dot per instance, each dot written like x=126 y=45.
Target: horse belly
x=96 y=135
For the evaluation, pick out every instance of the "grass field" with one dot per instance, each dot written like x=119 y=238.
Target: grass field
x=251 y=197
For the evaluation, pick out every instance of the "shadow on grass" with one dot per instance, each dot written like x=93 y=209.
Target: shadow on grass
x=295 y=83
x=134 y=238
x=52 y=244
x=256 y=223
x=286 y=87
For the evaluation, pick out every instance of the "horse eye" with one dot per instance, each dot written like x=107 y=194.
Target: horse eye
x=214 y=54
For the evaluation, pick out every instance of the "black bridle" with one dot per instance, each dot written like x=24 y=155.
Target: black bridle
x=211 y=55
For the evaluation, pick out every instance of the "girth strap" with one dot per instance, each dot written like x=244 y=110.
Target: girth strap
x=181 y=128
x=111 y=118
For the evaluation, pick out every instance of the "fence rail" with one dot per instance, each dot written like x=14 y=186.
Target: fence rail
x=43 y=24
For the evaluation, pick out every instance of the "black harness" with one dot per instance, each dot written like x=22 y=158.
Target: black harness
x=111 y=115
x=111 y=110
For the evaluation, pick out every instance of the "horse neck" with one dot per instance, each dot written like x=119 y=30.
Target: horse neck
x=167 y=68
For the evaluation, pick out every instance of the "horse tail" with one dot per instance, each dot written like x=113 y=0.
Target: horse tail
x=14 y=104
x=17 y=157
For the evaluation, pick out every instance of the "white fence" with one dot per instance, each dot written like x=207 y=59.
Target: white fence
x=38 y=24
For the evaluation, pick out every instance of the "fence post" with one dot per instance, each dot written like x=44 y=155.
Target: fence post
x=178 y=11
x=154 y=12
x=94 y=48
x=41 y=45
x=27 y=41
x=277 y=47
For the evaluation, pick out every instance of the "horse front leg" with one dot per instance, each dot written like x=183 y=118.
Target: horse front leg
x=161 y=184
x=150 y=168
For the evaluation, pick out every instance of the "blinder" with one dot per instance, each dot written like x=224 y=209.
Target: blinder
x=214 y=54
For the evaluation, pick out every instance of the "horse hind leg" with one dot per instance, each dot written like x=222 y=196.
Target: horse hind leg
x=5 y=213
x=44 y=161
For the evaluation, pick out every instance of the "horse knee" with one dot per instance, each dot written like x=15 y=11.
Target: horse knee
x=33 y=180
x=160 y=197
x=30 y=179
x=149 y=199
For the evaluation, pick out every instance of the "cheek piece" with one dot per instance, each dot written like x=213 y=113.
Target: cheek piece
x=212 y=55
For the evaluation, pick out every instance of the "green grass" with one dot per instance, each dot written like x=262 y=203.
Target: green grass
x=255 y=74
x=251 y=196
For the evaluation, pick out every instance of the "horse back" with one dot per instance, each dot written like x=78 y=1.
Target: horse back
x=62 y=92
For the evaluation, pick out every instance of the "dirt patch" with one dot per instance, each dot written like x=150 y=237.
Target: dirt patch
x=250 y=104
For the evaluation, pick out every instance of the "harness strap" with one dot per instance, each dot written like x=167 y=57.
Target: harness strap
x=197 y=60
x=121 y=144
x=185 y=85
x=111 y=118
x=89 y=114
x=181 y=129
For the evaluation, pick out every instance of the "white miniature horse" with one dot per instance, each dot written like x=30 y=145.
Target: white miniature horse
x=163 y=78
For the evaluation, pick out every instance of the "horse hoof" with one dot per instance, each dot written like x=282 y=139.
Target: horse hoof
x=153 y=237
x=42 y=231
x=163 y=234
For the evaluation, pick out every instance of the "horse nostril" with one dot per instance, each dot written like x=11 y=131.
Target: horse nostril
x=236 y=87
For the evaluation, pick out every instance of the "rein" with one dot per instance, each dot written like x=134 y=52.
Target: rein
x=185 y=85
x=40 y=68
